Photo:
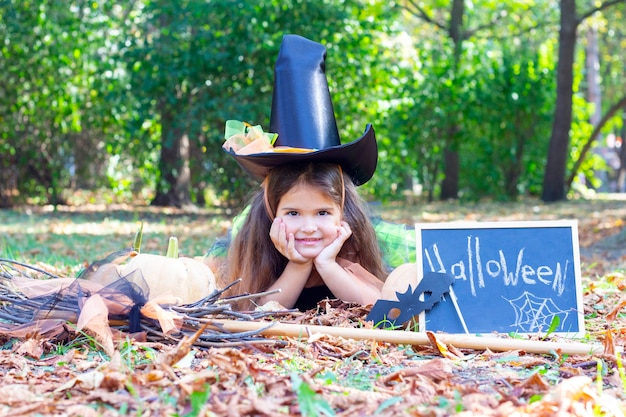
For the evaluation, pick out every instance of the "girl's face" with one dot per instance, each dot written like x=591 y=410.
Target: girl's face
x=312 y=216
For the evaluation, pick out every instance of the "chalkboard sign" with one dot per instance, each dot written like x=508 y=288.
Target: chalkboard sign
x=510 y=277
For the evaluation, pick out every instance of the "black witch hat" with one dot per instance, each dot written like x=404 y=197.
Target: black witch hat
x=303 y=117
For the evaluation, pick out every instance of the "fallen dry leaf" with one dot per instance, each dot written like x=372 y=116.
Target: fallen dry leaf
x=17 y=394
x=441 y=347
x=357 y=378
x=30 y=347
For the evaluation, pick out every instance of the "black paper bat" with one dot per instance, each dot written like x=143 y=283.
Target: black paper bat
x=391 y=313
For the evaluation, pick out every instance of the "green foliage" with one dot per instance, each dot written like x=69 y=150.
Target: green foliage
x=490 y=101
x=510 y=116
x=81 y=342
x=192 y=69
x=197 y=400
x=388 y=403
x=350 y=373
x=94 y=95
x=453 y=405
x=621 y=372
x=420 y=123
x=554 y=324
x=310 y=402
x=134 y=356
x=58 y=74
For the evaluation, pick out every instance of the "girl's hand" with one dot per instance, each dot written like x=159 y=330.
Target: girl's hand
x=285 y=244
x=330 y=252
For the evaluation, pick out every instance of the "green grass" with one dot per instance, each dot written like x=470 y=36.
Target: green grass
x=71 y=238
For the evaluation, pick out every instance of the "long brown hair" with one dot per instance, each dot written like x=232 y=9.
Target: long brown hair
x=252 y=255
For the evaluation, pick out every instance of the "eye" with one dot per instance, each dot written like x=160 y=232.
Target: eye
x=324 y=213
x=292 y=213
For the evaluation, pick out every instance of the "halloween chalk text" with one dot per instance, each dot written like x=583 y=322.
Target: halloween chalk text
x=474 y=268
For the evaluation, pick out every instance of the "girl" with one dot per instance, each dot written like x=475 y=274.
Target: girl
x=307 y=234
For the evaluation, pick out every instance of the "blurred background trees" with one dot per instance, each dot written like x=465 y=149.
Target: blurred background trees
x=469 y=100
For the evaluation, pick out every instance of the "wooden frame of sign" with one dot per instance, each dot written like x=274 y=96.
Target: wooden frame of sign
x=510 y=277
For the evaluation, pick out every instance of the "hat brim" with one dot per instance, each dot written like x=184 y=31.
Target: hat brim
x=357 y=158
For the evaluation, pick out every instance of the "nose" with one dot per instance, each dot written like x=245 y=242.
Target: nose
x=308 y=225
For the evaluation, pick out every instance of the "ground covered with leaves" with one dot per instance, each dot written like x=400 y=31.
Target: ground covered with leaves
x=316 y=374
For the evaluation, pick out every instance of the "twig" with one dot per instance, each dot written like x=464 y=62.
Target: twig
x=34 y=268
x=197 y=317
x=248 y=296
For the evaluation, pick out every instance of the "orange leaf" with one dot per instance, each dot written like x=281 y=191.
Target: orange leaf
x=48 y=327
x=95 y=317
x=168 y=320
x=440 y=346
x=535 y=383
x=613 y=314
x=618 y=279
x=609 y=343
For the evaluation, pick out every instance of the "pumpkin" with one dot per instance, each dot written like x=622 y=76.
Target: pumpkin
x=399 y=280
x=185 y=278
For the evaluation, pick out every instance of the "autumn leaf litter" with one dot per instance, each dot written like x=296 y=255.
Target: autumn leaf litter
x=324 y=375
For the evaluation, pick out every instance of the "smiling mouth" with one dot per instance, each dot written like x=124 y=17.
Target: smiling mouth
x=309 y=240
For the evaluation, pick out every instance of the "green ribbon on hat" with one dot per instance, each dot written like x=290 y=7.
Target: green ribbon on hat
x=236 y=127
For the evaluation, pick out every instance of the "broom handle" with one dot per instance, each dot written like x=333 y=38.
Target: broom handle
x=412 y=338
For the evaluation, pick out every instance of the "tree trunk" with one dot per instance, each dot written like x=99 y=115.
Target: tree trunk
x=592 y=64
x=514 y=171
x=621 y=104
x=8 y=180
x=621 y=177
x=173 y=187
x=450 y=183
x=89 y=160
x=554 y=176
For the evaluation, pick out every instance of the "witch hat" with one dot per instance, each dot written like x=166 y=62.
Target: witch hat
x=303 y=117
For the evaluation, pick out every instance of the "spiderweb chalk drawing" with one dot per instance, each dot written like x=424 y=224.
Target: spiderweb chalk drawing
x=533 y=314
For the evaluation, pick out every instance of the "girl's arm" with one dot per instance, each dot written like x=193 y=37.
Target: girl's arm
x=363 y=287
x=291 y=282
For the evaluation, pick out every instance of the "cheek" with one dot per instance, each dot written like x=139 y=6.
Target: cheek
x=332 y=227
x=291 y=224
